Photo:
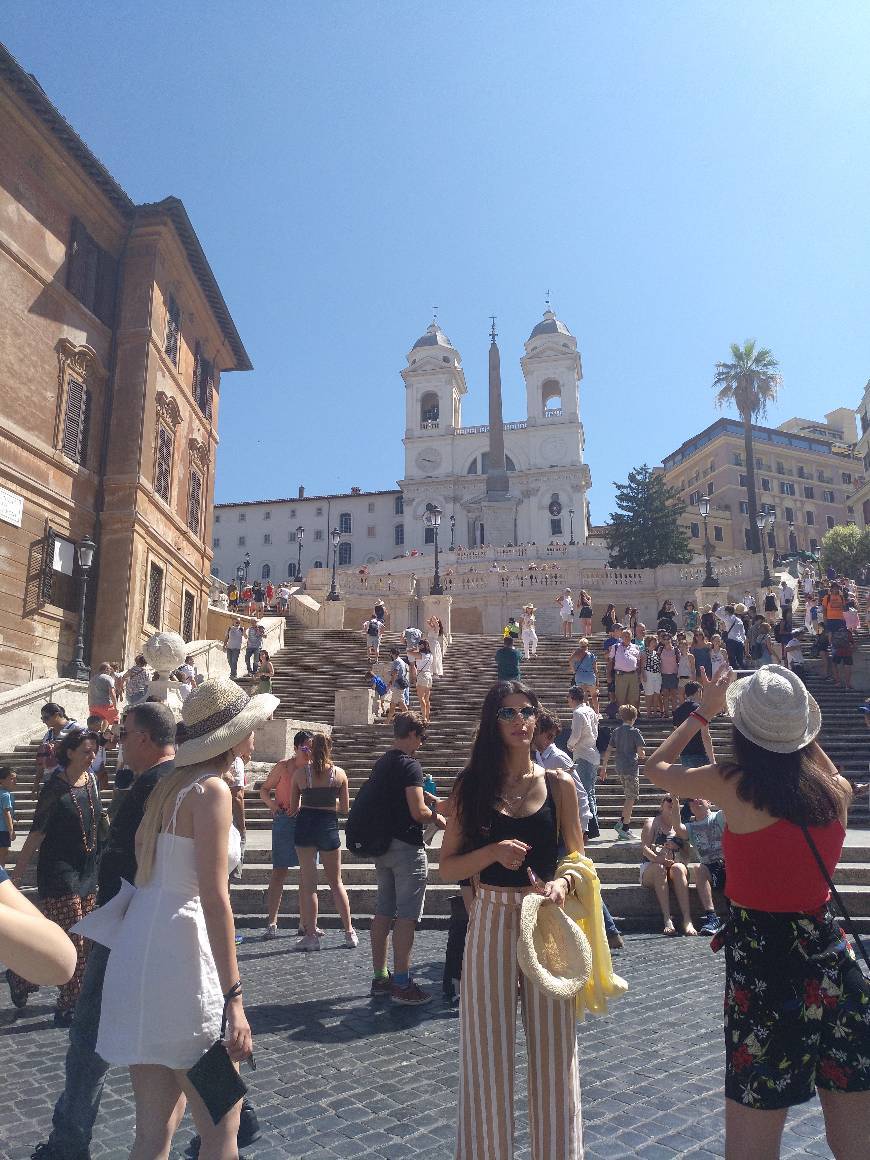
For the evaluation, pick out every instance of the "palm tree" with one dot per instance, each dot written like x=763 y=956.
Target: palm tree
x=750 y=382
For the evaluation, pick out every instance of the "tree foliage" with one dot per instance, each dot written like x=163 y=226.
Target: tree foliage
x=846 y=548
x=646 y=532
x=750 y=382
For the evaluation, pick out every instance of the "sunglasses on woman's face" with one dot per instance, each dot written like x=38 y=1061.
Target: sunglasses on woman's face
x=508 y=713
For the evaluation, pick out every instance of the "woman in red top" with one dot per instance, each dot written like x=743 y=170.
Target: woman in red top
x=797 y=1008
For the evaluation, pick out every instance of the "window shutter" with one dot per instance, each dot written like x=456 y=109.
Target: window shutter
x=76 y=271
x=76 y=421
x=187 y=616
x=163 y=466
x=173 y=328
x=47 y=577
x=155 y=594
x=194 y=502
x=203 y=381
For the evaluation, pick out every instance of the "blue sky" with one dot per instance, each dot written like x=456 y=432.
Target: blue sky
x=679 y=173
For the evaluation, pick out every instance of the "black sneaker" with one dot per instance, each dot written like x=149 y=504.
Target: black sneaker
x=710 y=925
x=19 y=998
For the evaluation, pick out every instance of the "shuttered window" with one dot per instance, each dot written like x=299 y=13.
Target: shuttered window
x=163 y=463
x=194 y=502
x=155 y=594
x=203 y=381
x=187 y=616
x=92 y=274
x=173 y=329
x=76 y=421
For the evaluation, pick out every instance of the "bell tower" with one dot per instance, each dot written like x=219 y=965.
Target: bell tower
x=552 y=370
x=434 y=387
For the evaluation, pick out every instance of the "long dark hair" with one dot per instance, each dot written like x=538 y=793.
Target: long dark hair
x=476 y=790
x=793 y=786
x=321 y=754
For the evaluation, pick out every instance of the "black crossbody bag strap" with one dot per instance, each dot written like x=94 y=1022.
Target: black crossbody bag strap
x=847 y=918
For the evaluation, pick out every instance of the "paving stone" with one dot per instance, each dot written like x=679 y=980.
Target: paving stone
x=373 y=1080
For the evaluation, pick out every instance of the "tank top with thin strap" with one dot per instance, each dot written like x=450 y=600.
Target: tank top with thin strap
x=538 y=830
x=774 y=869
x=322 y=797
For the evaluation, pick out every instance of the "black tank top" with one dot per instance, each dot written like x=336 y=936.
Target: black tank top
x=538 y=830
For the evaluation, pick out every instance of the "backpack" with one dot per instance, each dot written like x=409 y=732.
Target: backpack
x=400 y=680
x=374 y=628
x=368 y=830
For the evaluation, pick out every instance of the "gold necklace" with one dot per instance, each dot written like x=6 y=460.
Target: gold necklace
x=517 y=799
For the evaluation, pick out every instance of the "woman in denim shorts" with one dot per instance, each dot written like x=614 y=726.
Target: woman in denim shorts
x=320 y=793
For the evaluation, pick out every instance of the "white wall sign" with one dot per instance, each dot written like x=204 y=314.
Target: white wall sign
x=11 y=507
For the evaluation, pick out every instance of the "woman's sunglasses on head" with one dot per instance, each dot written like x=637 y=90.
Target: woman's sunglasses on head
x=508 y=713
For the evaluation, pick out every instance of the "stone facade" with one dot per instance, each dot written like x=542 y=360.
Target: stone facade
x=113 y=341
x=806 y=476
x=860 y=500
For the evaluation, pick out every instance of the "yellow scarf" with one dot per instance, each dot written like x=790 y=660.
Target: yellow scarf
x=583 y=905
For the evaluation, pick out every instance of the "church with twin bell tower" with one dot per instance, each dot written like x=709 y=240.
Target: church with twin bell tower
x=503 y=482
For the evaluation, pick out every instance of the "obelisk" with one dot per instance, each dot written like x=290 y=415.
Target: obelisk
x=496 y=478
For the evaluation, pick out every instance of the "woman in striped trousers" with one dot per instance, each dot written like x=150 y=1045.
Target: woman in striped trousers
x=504 y=835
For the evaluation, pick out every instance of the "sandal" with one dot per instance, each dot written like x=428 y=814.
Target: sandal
x=670 y=930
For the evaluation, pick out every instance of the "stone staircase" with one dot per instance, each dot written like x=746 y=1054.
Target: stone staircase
x=314 y=663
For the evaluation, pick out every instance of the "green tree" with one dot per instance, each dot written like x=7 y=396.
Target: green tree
x=846 y=548
x=750 y=382
x=646 y=532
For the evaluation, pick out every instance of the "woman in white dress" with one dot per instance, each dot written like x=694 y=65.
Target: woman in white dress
x=435 y=636
x=173 y=956
x=528 y=632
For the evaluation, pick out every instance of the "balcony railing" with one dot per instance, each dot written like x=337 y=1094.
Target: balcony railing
x=552 y=412
x=429 y=425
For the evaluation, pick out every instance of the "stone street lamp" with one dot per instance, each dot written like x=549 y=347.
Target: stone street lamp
x=300 y=536
x=335 y=536
x=432 y=519
x=762 y=518
x=571 y=518
x=452 y=530
x=710 y=580
x=77 y=669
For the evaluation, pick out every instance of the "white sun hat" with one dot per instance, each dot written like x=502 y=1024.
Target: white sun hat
x=773 y=709
x=553 y=952
x=216 y=716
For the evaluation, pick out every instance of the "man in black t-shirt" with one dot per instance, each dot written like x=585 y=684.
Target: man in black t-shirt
x=402 y=870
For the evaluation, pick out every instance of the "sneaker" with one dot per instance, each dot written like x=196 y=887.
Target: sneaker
x=411 y=996
x=624 y=835
x=380 y=988
x=301 y=932
x=308 y=942
x=614 y=940
x=240 y=938
x=351 y=938
x=271 y=931
x=711 y=924
x=63 y=1018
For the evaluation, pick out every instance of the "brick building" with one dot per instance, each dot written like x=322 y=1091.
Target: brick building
x=113 y=339
x=804 y=470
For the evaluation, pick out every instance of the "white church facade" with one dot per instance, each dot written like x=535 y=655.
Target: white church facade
x=446 y=464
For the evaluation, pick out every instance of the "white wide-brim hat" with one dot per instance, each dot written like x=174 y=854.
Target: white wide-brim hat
x=773 y=709
x=552 y=951
x=216 y=716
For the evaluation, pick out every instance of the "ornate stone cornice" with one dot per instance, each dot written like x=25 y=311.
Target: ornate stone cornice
x=168 y=410
x=81 y=361
x=199 y=454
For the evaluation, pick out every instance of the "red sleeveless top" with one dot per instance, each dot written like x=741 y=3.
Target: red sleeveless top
x=774 y=869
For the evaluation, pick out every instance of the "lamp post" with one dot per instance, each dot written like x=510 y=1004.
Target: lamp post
x=300 y=536
x=246 y=563
x=335 y=536
x=763 y=517
x=452 y=530
x=432 y=519
x=792 y=538
x=710 y=580
x=571 y=518
x=77 y=669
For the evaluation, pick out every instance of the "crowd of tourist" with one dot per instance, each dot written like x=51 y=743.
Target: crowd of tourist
x=145 y=895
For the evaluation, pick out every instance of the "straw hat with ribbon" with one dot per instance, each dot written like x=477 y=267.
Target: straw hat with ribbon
x=773 y=709
x=216 y=716
x=552 y=951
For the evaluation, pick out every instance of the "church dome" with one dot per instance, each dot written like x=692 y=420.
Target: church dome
x=550 y=324
x=434 y=336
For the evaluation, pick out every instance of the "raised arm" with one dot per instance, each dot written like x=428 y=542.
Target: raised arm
x=32 y=945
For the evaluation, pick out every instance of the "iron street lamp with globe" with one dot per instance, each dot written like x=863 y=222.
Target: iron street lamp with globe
x=762 y=519
x=432 y=519
x=710 y=580
x=300 y=536
x=335 y=536
x=77 y=669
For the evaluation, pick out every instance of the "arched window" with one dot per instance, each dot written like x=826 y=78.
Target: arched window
x=399 y=535
x=318 y=563
x=399 y=506
x=291 y=569
x=481 y=464
x=345 y=523
x=266 y=572
x=429 y=411
x=344 y=551
x=551 y=395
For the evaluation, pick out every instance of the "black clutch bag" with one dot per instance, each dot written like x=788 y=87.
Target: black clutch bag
x=214 y=1074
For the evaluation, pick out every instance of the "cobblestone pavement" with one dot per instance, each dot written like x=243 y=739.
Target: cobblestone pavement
x=340 y=1075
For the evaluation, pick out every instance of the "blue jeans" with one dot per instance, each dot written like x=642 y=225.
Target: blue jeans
x=233 y=660
x=610 y=926
x=587 y=772
x=252 y=659
x=76 y=1111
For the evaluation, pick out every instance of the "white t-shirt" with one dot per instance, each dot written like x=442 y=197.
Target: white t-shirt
x=794 y=652
x=238 y=771
x=584 y=734
x=787 y=595
x=555 y=758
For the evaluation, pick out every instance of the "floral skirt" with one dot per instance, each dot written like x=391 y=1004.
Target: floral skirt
x=797 y=1009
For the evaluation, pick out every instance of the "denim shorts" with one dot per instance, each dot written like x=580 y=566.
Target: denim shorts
x=317 y=828
x=401 y=874
x=283 y=842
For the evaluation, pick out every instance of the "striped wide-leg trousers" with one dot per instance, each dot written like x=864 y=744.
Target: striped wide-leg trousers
x=491 y=984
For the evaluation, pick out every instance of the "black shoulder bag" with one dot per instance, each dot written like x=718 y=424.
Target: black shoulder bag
x=214 y=1074
x=861 y=981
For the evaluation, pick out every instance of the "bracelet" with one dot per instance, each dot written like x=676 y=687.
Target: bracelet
x=702 y=719
x=233 y=992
